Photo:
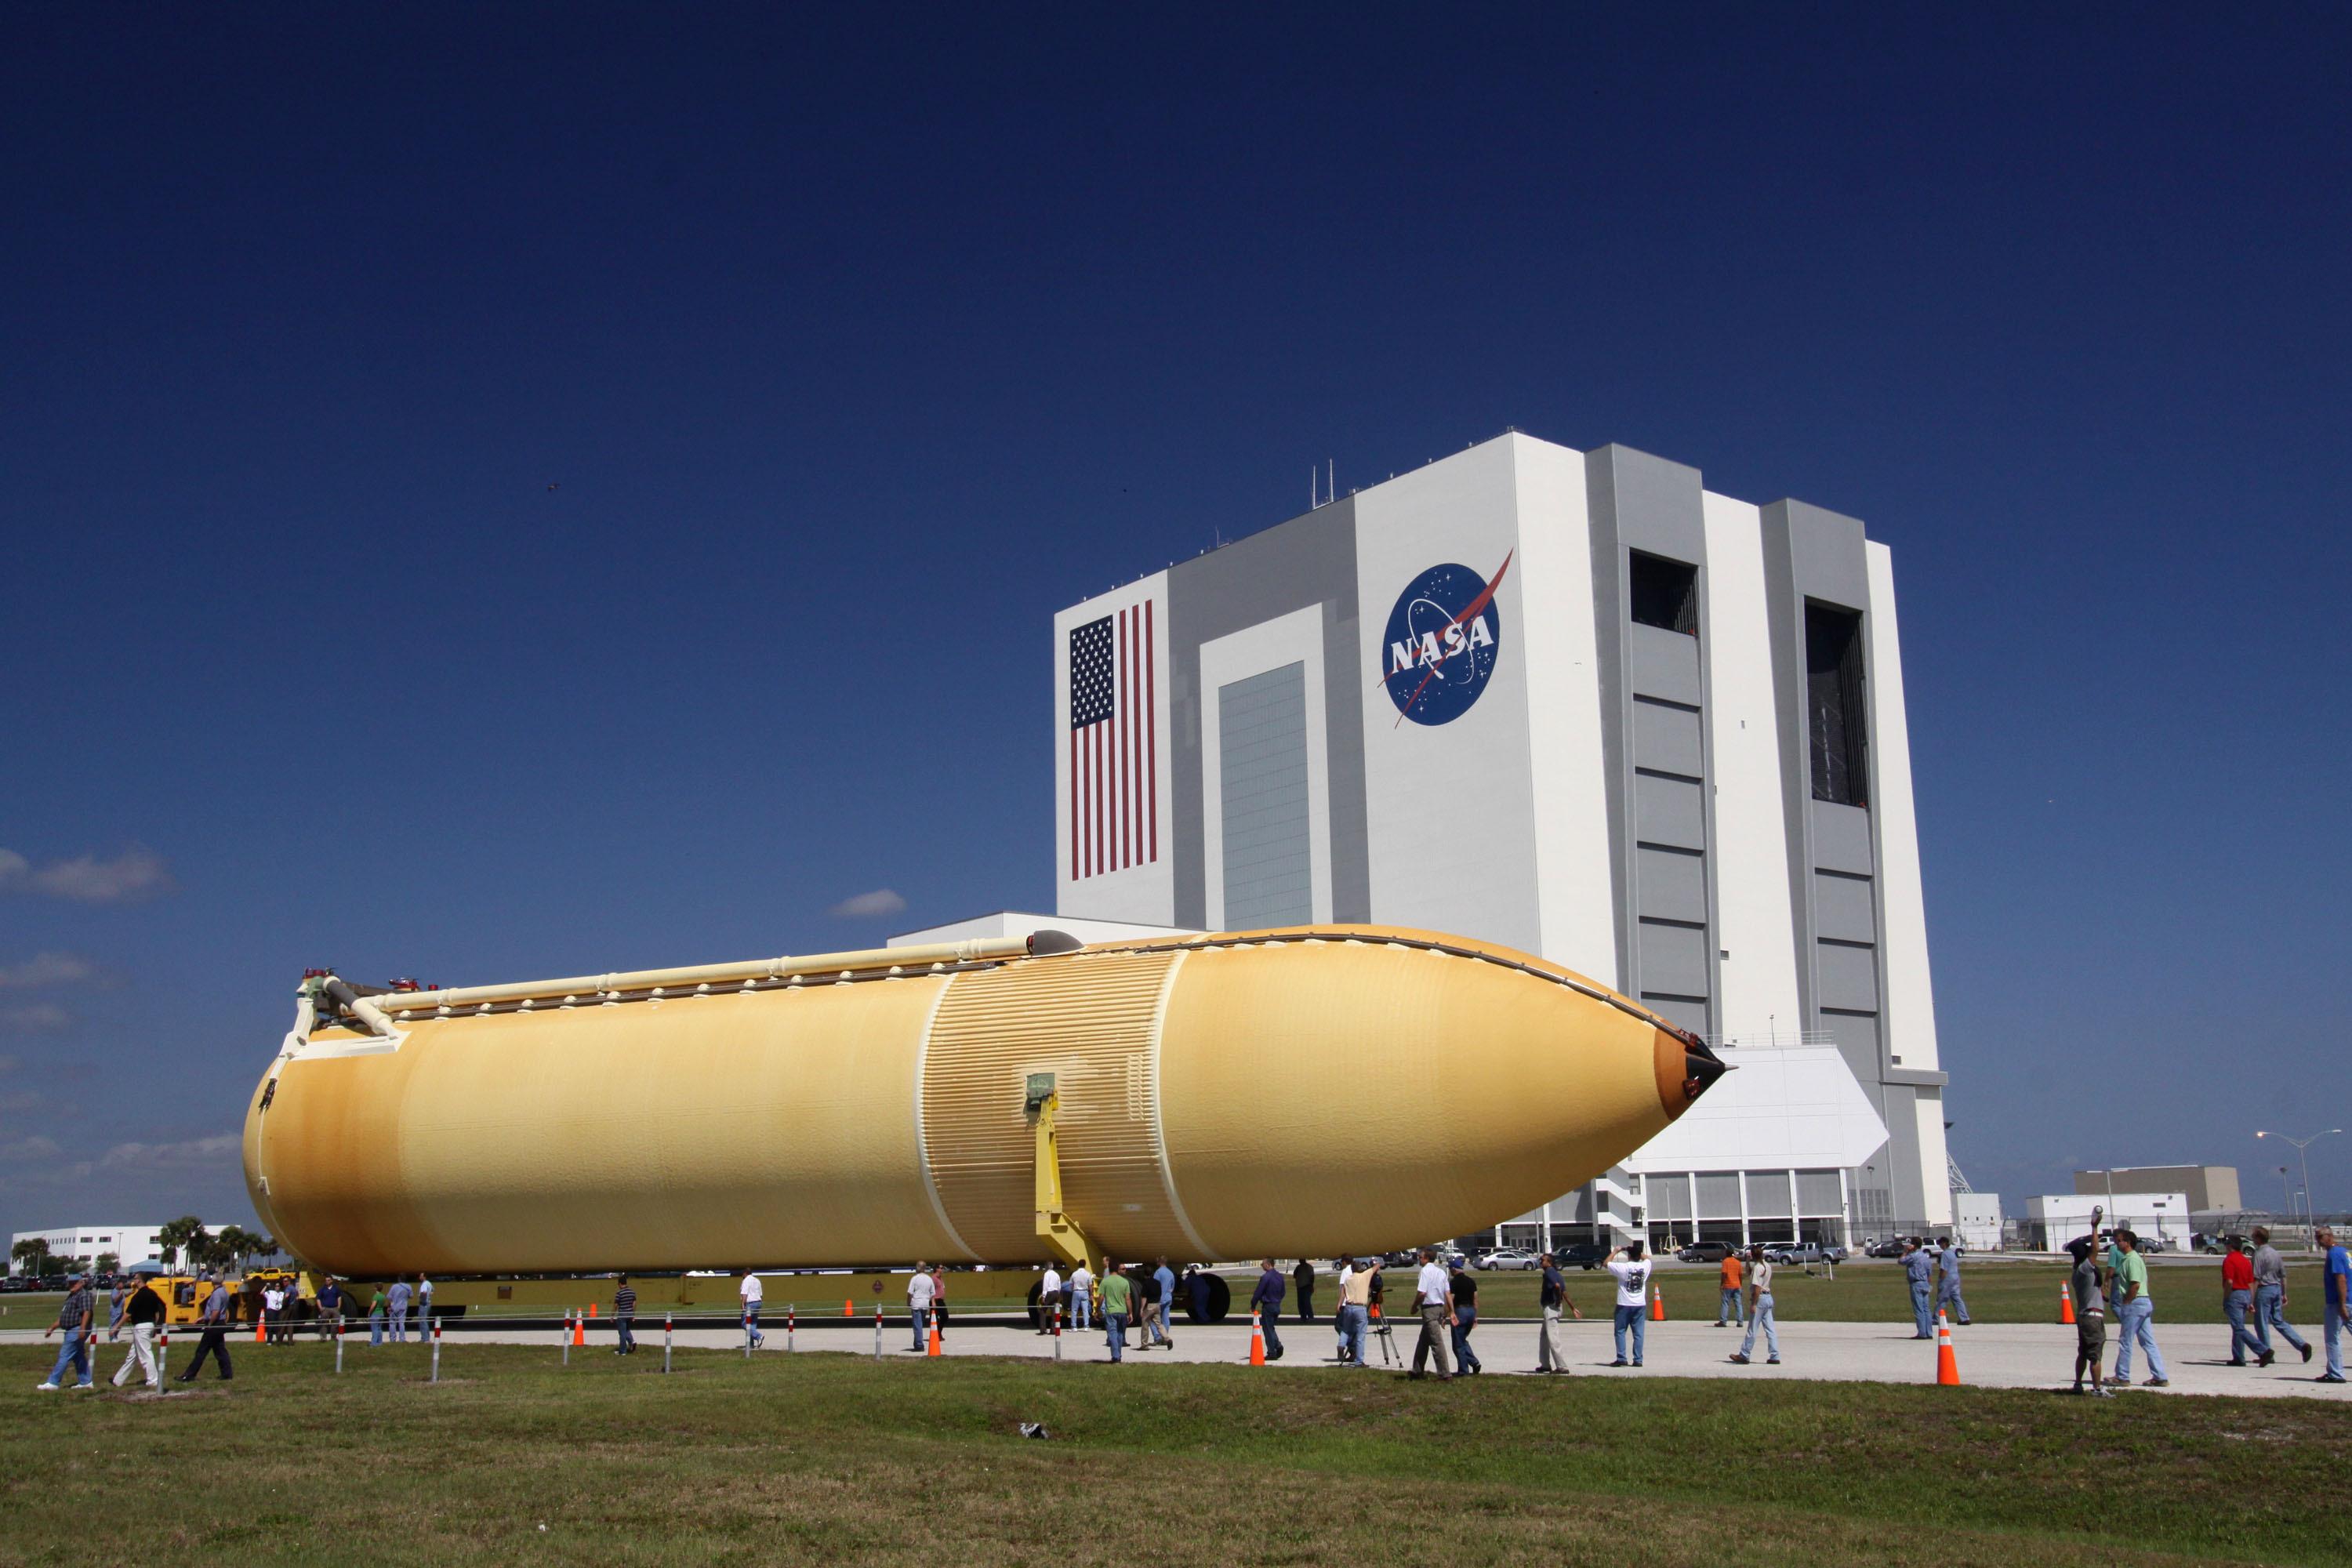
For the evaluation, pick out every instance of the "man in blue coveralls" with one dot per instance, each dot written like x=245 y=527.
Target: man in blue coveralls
x=1948 y=1284
x=1919 y=1267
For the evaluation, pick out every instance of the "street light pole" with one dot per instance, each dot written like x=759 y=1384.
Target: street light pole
x=2310 y=1210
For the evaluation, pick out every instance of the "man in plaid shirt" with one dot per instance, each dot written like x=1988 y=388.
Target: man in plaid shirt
x=74 y=1318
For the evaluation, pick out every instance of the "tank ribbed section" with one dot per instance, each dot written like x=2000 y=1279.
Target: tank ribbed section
x=1086 y=1019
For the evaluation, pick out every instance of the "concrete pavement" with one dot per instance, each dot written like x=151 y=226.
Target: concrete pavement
x=1993 y=1356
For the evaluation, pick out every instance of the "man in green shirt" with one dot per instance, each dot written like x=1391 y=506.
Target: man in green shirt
x=1115 y=1301
x=2138 y=1313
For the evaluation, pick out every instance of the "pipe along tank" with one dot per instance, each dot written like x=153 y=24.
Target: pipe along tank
x=1298 y=1092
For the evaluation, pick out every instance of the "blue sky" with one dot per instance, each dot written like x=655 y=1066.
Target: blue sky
x=486 y=498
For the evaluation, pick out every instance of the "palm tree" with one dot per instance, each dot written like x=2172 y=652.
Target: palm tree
x=31 y=1256
x=109 y=1263
x=175 y=1240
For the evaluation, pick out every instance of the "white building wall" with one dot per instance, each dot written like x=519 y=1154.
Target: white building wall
x=1755 y=926
x=2065 y=1215
x=1577 y=922
x=1910 y=991
x=130 y=1243
x=1450 y=807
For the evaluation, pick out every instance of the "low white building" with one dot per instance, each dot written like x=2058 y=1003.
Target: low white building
x=1976 y=1219
x=2055 y=1219
x=85 y=1244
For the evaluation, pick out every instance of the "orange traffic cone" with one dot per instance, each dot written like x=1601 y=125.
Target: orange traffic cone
x=1257 y=1340
x=579 y=1329
x=1657 y=1305
x=931 y=1344
x=1947 y=1369
x=2065 y=1303
x=848 y=1309
x=591 y=1309
x=261 y=1330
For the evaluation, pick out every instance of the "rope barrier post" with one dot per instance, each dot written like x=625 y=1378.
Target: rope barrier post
x=339 y=1347
x=565 y=1339
x=746 y=1335
x=162 y=1352
x=437 y=1351
x=666 y=1333
x=1057 y=1331
x=790 y=1314
x=878 y=1330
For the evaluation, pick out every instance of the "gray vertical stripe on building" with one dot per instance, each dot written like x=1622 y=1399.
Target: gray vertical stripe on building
x=1654 y=703
x=1310 y=560
x=1261 y=796
x=1811 y=555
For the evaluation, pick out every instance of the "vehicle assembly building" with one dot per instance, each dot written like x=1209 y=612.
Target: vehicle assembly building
x=1572 y=703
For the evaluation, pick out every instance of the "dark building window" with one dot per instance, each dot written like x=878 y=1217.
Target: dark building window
x=1666 y=594
x=1835 y=722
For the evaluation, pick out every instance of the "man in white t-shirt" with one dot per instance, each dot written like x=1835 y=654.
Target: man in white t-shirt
x=1049 y=1297
x=919 y=1302
x=1433 y=1295
x=751 y=1291
x=1082 y=1301
x=425 y=1306
x=1632 y=1272
x=273 y=1313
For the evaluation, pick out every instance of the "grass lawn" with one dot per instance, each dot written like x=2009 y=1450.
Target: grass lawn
x=513 y=1458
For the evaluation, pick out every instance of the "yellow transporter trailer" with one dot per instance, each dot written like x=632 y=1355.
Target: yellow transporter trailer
x=1291 y=1092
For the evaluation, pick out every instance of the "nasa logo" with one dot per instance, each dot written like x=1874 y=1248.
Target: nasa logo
x=1444 y=638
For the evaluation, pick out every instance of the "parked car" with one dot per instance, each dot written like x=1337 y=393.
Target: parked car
x=1584 y=1255
x=1506 y=1257
x=1886 y=1246
x=1704 y=1252
x=1804 y=1252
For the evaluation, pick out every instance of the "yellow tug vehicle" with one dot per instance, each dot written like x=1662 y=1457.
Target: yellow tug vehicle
x=1297 y=1092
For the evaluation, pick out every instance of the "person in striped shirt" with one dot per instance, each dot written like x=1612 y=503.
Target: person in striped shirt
x=625 y=1315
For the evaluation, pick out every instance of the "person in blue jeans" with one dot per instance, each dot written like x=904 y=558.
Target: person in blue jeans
x=75 y=1318
x=1919 y=1267
x=2270 y=1298
x=2336 y=1280
x=1632 y=1272
x=1465 y=1317
x=2139 y=1314
x=1116 y=1294
x=2237 y=1300
x=1760 y=1311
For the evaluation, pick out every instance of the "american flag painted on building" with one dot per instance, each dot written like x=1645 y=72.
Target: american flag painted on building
x=1114 y=744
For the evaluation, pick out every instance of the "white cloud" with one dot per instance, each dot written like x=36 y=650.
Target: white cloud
x=34 y=1148
x=194 y=1152
x=40 y=1018
x=46 y=969
x=868 y=906
x=133 y=876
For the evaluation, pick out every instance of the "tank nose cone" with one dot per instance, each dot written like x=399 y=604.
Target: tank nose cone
x=1701 y=1067
x=1686 y=1069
